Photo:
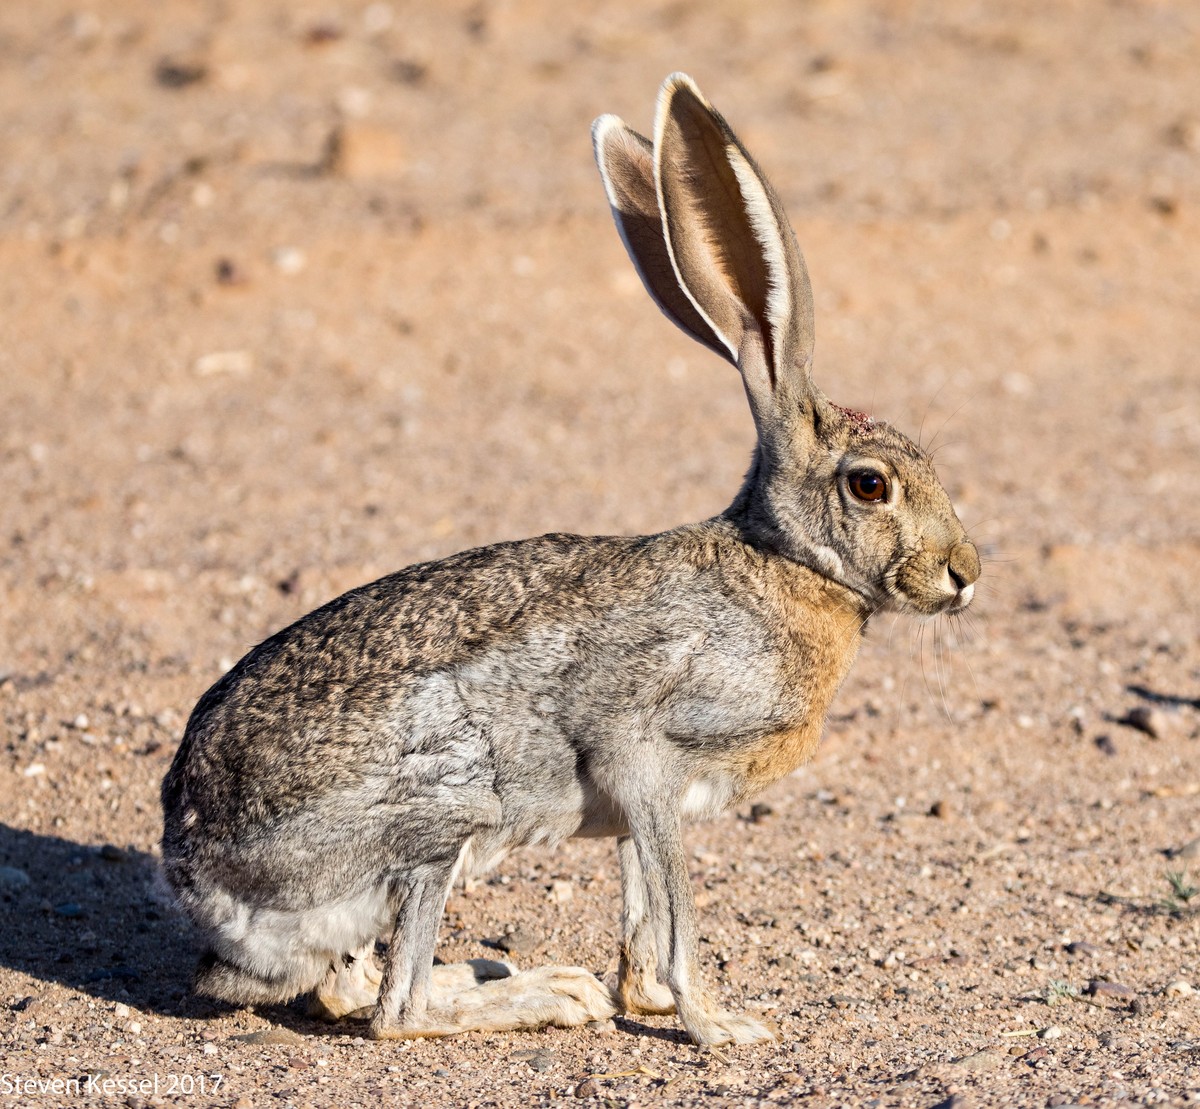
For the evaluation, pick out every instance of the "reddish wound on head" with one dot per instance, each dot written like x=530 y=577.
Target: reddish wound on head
x=860 y=420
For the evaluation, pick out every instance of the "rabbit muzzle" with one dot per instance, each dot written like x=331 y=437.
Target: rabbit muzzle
x=962 y=568
x=935 y=580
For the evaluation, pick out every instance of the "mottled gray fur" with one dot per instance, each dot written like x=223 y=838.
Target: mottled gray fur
x=333 y=784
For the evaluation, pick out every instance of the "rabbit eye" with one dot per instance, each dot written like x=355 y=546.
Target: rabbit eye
x=867 y=485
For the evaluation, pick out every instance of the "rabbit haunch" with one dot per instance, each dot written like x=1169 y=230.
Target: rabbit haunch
x=330 y=788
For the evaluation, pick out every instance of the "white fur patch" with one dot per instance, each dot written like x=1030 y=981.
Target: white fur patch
x=705 y=798
x=766 y=230
x=829 y=561
x=271 y=942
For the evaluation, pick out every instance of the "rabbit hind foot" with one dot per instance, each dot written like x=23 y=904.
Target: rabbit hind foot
x=562 y=997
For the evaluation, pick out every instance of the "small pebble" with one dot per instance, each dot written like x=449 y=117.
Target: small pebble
x=121 y=1010
x=601 y=1027
x=1053 y=1032
x=760 y=812
x=289 y=260
x=1152 y=721
x=1100 y=988
x=1105 y=745
x=941 y=810
x=69 y=909
x=364 y=151
x=1190 y=850
x=589 y=1087
x=13 y=878
x=229 y=273
x=561 y=891
x=1083 y=949
x=518 y=942
x=1180 y=988
x=111 y=853
x=178 y=73
x=980 y=1061
x=210 y=1049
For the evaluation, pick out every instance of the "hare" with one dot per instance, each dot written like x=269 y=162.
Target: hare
x=331 y=787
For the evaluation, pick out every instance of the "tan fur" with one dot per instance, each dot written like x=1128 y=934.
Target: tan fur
x=820 y=626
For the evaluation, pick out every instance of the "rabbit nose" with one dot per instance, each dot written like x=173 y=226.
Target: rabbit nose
x=963 y=565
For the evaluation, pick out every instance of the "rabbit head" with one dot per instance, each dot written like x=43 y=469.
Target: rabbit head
x=848 y=496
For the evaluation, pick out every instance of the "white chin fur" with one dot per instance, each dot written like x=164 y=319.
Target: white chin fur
x=962 y=598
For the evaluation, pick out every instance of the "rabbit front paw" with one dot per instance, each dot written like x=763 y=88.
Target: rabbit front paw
x=644 y=995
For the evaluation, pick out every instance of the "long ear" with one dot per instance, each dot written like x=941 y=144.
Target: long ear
x=626 y=162
x=731 y=244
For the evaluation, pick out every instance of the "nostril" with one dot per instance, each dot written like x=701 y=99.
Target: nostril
x=963 y=565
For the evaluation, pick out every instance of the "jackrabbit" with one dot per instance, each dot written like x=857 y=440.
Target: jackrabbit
x=331 y=787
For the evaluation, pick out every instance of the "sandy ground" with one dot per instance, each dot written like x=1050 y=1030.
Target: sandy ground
x=295 y=294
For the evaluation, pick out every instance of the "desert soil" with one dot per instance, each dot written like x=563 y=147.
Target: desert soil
x=294 y=294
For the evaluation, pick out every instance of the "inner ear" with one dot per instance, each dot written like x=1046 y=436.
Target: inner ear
x=729 y=239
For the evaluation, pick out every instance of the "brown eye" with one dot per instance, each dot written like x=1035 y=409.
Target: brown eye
x=867 y=485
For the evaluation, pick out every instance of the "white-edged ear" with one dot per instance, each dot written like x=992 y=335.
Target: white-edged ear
x=626 y=163
x=731 y=246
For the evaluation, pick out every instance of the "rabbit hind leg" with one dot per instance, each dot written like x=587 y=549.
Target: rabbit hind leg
x=564 y=997
x=480 y=995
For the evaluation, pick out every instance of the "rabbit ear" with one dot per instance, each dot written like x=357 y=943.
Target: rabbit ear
x=626 y=162
x=731 y=245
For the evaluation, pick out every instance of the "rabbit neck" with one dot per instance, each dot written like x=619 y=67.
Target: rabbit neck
x=815 y=625
x=754 y=514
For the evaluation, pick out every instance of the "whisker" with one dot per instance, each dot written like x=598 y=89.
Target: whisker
x=929 y=408
x=940 y=669
x=946 y=421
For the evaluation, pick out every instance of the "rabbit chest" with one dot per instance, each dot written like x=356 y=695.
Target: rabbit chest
x=759 y=693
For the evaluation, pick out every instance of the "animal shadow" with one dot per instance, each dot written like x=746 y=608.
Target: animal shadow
x=93 y=918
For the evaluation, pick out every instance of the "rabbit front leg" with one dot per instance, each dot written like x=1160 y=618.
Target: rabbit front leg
x=638 y=986
x=402 y=1010
x=658 y=839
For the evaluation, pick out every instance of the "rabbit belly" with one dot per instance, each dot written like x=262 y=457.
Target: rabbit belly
x=267 y=954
